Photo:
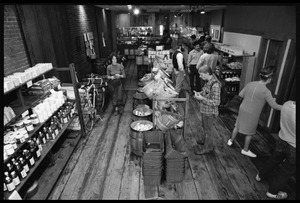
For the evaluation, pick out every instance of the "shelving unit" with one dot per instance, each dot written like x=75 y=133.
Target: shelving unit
x=232 y=87
x=24 y=103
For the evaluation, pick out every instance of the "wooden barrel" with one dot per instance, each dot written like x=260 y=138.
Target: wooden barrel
x=142 y=112
x=140 y=98
x=137 y=136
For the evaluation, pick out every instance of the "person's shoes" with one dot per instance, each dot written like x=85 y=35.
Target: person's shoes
x=279 y=195
x=257 y=178
x=116 y=111
x=248 y=153
x=229 y=142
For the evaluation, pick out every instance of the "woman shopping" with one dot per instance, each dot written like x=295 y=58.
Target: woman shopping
x=255 y=94
x=115 y=72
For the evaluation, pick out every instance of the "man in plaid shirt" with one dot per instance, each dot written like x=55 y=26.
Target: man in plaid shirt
x=209 y=99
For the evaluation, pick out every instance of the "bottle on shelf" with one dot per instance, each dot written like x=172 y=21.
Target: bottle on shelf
x=54 y=129
x=42 y=137
x=46 y=133
x=58 y=123
x=20 y=170
x=25 y=165
x=15 y=178
x=9 y=182
x=38 y=148
x=51 y=133
x=29 y=158
x=9 y=167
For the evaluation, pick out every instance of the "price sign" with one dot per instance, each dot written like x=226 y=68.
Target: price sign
x=29 y=83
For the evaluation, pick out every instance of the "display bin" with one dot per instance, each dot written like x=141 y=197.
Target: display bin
x=139 y=60
x=126 y=52
x=131 y=52
x=145 y=60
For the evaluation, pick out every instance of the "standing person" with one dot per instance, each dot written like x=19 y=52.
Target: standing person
x=208 y=58
x=209 y=99
x=284 y=153
x=178 y=67
x=115 y=71
x=193 y=59
x=166 y=40
x=207 y=39
x=255 y=94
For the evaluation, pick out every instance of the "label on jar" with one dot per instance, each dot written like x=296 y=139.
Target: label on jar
x=44 y=140
x=23 y=172
x=31 y=161
x=11 y=186
x=38 y=153
x=26 y=168
x=56 y=131
x=16 y=180
x=29 y=127
x=65 y=119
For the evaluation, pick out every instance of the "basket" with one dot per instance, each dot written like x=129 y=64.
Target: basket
x=167 y=120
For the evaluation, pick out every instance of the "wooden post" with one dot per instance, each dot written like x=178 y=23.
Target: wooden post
x=77 y=99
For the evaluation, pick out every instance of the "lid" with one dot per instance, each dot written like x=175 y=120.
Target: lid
x=19 y=124
x=27 y=122
x=33 y=116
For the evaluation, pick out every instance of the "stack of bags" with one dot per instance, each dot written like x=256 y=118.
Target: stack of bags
x=38 y=88
x=152 y=157
x=175 y=163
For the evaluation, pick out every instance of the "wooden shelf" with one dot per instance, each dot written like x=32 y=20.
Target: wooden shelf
x=19 y=146
x=46 y=149
x=25 y=82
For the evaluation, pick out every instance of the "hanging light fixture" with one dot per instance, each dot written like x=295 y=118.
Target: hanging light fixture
x=202 y=11
x=136 y=11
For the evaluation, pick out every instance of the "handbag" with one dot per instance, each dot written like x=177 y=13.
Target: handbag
x=234 y=104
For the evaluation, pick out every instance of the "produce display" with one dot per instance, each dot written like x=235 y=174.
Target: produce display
x=142 y=111
x=142 y=126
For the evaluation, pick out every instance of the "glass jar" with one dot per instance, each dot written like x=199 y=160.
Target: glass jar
x=28 y=125
x=9 y=149
x=34 y=119
x=24 y=133
x=20 y=126
x=20 y=138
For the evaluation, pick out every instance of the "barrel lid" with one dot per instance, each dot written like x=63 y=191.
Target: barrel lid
x=140 y=95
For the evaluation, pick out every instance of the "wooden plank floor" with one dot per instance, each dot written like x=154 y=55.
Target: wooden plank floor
x=103 y=167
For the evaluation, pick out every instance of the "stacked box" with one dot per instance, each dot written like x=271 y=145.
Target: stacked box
x=152 y=157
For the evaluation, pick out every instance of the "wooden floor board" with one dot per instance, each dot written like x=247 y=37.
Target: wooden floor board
x=103 y=167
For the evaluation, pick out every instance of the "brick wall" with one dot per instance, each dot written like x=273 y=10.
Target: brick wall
x=15 y=54
x=81 y=20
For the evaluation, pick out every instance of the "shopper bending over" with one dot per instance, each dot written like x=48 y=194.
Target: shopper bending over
x=284 y=154
x=209 y=99
x=255 y=94
x=115 y=72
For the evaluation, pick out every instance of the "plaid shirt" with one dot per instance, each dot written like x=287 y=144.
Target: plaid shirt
x=210 y=104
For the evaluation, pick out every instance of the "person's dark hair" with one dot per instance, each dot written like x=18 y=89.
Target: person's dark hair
x=195 y=43
x=205 y=69
x=208 y=38
x=267 y=72
x=208 y=48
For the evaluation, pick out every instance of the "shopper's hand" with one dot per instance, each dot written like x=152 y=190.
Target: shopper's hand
x=189 y=71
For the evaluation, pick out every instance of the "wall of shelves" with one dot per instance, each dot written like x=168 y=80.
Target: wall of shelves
x=25 y=103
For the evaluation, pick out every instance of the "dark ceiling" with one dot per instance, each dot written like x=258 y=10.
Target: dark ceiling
x=159 y=8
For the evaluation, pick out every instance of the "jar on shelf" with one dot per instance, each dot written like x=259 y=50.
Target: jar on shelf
x=28 y=125
x=9 y=149
x=20 y=126
x=24 y=133
x=34 y=119
x=20 y=138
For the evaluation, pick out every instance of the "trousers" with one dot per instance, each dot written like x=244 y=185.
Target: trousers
x=284 y=155
x=194 y=77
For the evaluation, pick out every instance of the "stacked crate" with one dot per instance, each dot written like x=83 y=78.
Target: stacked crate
x=152 y=157
x=175 y=163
